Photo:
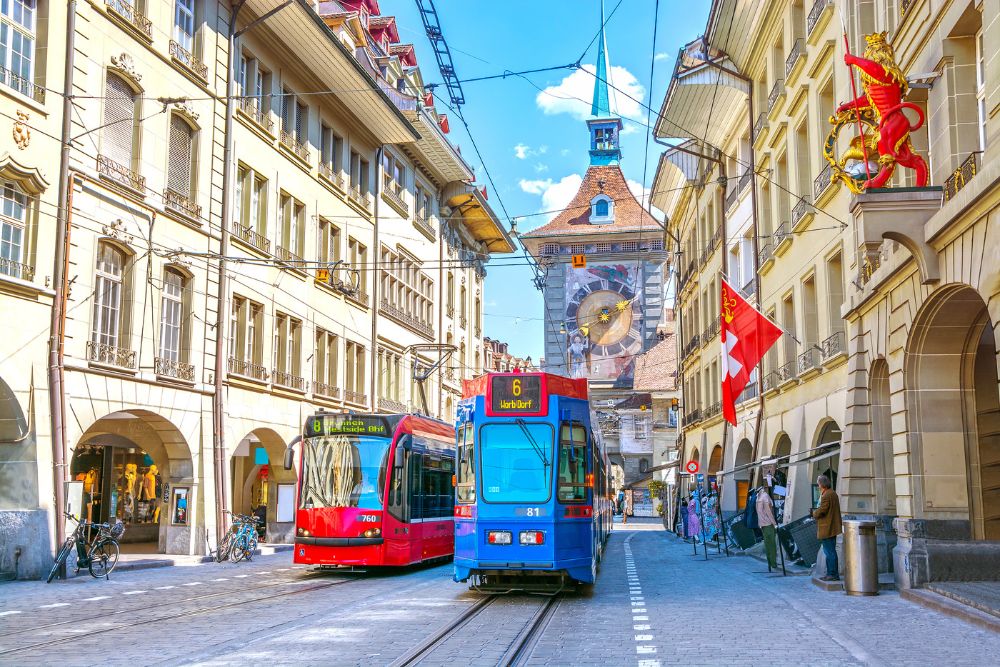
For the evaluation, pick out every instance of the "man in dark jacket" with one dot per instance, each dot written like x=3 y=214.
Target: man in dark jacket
x=828 y=526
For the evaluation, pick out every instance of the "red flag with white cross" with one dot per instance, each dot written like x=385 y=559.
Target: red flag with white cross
x=746 y=337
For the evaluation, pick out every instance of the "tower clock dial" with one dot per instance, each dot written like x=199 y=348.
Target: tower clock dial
x=607 y=312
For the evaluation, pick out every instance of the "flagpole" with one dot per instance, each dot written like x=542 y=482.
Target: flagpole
x=854 y=92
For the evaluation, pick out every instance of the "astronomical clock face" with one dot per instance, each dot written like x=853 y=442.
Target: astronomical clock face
x=603 y=321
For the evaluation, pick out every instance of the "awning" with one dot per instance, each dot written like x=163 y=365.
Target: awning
x=478 y=217
x=815 y=454
x=435 y=152
x=731 y=23
x=702 y=103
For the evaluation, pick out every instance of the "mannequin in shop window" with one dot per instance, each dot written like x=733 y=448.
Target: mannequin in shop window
x=147 y=495
x=91 y=485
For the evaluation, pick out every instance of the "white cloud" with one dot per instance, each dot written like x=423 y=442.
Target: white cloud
x=556 y=195
x=523 y=151
x=574 y=93
x=643 y=194
x=541 y=168
x=661 y=56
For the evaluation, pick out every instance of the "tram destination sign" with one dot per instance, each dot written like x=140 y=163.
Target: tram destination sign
x=516 y=394
x=346 y=425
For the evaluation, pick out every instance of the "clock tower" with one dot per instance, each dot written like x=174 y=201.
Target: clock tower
x=603 y=260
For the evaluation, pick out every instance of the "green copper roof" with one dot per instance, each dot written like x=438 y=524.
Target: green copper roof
x=601 y=107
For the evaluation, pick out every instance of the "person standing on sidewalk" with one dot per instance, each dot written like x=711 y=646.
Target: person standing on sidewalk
x=627 y=509
x=768 y=526
x=828 y=526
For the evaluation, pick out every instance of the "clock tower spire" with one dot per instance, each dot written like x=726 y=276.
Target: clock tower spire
x=604 y=124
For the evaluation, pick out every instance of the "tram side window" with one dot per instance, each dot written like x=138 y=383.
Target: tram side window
x=466 y=456
x=572 y=463
x=436 y=488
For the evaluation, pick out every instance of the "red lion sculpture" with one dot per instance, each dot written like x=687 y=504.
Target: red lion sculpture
x=885 y=87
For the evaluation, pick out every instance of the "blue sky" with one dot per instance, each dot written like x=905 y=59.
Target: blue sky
x=535 y=143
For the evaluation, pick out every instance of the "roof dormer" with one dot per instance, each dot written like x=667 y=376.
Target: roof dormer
x=602 y=210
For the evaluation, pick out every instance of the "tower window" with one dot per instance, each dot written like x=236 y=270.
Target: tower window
x=602 y=209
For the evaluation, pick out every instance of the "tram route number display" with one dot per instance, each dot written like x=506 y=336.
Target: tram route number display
x=512 y=394
x=346 y=425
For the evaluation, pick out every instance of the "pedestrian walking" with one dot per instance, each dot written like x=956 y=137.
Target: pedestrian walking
x=620 y=505
x=768 y=525
x=828 y=526
x=627 y=511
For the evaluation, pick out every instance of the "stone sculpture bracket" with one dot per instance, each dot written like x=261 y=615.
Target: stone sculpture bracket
x=899 y=214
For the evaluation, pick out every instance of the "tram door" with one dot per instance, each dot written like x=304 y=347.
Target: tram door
x=414 y=493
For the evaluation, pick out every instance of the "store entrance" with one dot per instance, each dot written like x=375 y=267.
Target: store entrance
x=262 y=487
x=121 y=481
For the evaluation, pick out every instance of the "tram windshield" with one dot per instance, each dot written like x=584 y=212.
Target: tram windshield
x=516 y=462
x=344 y=471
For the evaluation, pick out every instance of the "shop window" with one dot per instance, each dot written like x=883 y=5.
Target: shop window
x=119 y=482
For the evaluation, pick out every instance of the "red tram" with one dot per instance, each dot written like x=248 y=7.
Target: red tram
x=374 y=490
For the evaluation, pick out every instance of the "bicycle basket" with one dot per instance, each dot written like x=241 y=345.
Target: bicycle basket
x=117 y=530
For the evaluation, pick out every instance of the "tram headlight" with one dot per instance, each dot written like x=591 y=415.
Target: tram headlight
x=303 y=532
x=373 y=532
x=532 y=537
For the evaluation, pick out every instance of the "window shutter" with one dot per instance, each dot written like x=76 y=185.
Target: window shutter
x=119 y=120
x=179 y=157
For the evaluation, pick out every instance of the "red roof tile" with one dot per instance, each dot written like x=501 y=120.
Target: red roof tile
x=656 y=369
x=575 y=218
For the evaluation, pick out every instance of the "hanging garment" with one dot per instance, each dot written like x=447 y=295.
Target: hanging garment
x=711 y=517
x=693 y=522
x=751 y=520
x=684 y=519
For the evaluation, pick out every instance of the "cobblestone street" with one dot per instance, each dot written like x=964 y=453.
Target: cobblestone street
x=654 y=603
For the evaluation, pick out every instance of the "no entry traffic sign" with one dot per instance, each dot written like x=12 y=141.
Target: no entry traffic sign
x=691 y=467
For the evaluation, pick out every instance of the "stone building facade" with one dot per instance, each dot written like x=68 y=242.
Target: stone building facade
x=883 y=295
x=354 y=247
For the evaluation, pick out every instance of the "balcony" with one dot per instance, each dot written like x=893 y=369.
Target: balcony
x=355 y=397
x=786 y=374
x=255 y=111
x=424 y=226
x=802 y=214
x=406 y=319
x=252 y=238
x=765 y=256
x=391 y=193
x=871 y=263
x=298 y=148
x=391 y=406
x=289 y=257
x=777 y=92
x=711 y=331
x=747 y=394
x=808 y=361
x=965 y=173
x=817 y=12
x=331 y=175
x=692 y=417
x=759 y=126
x=325 y=390
x=120 y=174
x=750 y=289
x=782 y=239
x=797 y=53
x=713 y=410
x=822 y=182
x=247 y=369
x=745 y=177
x=131 y=16
x=177 y=370
x=449 y=373
x=770 y=382
x=692 y=345
x=289 y=381
x=179 y=203
x=110 y=355
x=732 y=196
x=834 y=348
x=9 y=267
x=362 y=199
x=188 y=59
x=22 y=85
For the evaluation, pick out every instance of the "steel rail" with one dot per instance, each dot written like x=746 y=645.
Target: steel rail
x=89 y=616
x=175 y=615
x=414 y=655
x=520 y=650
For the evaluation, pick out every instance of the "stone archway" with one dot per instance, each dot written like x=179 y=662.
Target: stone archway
x=742 y=472
x=952 y=411
x=714 y=465
x=825 y=456
x=136 y=466
x=261 y=486
x=781 y=451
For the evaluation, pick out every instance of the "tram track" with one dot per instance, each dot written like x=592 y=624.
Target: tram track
x=174 y=615
x=518 y=650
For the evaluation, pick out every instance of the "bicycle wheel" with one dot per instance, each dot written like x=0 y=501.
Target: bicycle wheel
x=239 y=551
x=103 y=558
x=225 y=548
x=60 y=558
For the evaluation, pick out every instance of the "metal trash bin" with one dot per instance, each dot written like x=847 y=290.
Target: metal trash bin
x=860 y=558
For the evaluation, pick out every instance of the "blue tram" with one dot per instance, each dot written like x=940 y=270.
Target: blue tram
x=532 y=494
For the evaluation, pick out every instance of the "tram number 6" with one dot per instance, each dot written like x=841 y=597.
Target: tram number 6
x=515 y=387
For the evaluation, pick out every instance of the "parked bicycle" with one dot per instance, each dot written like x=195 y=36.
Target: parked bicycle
x=240 y=542
x=99 y=555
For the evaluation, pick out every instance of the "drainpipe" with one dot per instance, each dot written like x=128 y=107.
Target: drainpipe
x=756 y=229
x=375 y=276
x=57 y=401
x=218 y=402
